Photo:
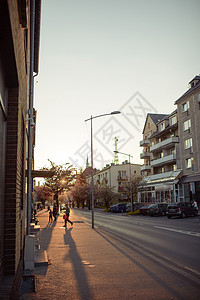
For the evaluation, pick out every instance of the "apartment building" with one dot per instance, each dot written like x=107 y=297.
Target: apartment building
x=15 y=38
x=116 y=177
x=149 y=127
x=188 y=110
x=173 y=152
x=161 y=184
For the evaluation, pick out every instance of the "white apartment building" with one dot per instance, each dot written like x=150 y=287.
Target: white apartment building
x=116 y=177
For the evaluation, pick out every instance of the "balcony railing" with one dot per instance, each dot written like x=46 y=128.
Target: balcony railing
x=165 y=144
x=144 y=154
x=144 y=143
x=163 y=160
x=145 y=167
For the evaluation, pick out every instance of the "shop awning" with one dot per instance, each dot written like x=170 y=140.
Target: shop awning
x=162 y=178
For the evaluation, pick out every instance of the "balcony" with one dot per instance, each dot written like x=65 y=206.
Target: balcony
x=163 y=160
x=145 y=168
x=168 y=143
x=144 y=143
x=144 y=155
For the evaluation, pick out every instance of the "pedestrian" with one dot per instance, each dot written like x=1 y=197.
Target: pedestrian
x=55 y=212
x=50 y=216
x=66 y=216
x=35 y=210
x=195 y=205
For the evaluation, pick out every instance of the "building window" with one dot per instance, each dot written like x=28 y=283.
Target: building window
x=149 y=125
x=189 y=163
x=185 y=106
x=188 y=143
x=162 y=126
x=187 y=125
x=173 y=120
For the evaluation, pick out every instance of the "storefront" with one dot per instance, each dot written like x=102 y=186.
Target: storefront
x=160 y=188
x=189 y=188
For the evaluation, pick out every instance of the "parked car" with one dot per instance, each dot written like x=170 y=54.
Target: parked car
x=144 y=210
x=158 y=209
x=120 y=207
x=136 y=206
x=181 y=209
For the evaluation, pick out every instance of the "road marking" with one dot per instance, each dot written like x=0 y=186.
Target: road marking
x=197 y=234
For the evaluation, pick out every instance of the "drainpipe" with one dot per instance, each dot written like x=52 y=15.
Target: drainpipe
x=30 y=118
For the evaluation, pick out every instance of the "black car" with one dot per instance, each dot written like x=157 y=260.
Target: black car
x=144 y=210
x=181 y=209
x=120 y=207
x=158 y=209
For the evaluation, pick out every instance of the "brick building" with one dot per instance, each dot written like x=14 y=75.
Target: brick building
x=15 y=37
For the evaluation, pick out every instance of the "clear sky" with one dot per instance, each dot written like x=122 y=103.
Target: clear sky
x=100 y=56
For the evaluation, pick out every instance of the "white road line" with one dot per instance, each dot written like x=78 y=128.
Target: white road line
x=197 y=234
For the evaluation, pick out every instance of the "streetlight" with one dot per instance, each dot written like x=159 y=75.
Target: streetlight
x=130 y=176
x=91 y=118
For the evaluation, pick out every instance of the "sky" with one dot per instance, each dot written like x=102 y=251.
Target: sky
x=101 y=56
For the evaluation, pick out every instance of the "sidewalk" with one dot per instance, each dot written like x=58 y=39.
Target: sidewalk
x=85 y=264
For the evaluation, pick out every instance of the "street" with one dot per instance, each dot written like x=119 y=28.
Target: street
x=172 y=243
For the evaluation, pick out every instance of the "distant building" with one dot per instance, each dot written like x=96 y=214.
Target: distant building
x=116 y=177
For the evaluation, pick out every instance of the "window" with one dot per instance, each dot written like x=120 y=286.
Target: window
x=149 y=125
x=185 y=106
x=121 y=174
x=162 y=126
x=173 y=120
x=188 y=143
x=189 y=163
x=187 y=125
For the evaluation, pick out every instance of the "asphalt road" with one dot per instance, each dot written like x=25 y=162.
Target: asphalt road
x=172 y=244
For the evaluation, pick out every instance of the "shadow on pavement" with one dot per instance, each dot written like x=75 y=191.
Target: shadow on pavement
x=141 y=266
x=79 y=271
x=46 y=234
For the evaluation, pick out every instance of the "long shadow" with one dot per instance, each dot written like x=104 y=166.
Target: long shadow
x=153 y=275
x=80 y=273
x=46 y=234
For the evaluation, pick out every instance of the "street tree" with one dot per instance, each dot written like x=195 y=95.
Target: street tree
x=81 y=191
x=62 y=180
x=106 y=194
x=135 y=181
x=42 y=194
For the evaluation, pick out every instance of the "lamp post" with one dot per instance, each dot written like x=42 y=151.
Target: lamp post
x=90 y=119
x=131 y=192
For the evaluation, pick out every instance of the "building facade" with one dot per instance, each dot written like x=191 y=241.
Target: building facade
x=149 y=127
x=173 y=152
x=15 y=18
x=116 y=177
x=161 y=184
x=188 y=110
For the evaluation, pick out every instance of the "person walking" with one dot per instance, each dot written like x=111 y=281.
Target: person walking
x=50 y=216
x=55 y=212
x=66 y=216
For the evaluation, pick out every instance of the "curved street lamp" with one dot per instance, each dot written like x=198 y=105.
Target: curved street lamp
x=91 y=118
